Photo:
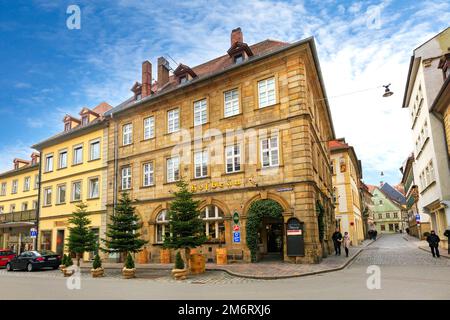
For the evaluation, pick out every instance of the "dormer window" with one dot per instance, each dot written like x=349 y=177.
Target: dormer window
x=85 y=120
x=238 y=58
x=184 y=73
x=67 y=126
x=138 y=96
x=183 y=79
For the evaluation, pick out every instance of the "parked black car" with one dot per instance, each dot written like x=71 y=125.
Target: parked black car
x=34 y=260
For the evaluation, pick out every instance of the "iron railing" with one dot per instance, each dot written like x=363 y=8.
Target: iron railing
x=20 y=216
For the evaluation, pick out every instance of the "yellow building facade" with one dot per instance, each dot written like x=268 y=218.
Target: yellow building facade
x=18 y=204
x=73 y=172
x=347 y=173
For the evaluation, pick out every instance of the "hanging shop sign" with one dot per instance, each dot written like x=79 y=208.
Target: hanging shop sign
x=236 y=217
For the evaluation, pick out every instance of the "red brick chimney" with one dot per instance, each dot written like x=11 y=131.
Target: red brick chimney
x=146 y=78
x=236 y=36
x=163 y=72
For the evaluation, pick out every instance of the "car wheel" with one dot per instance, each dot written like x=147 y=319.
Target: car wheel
x=29 y=267
x=8 y=267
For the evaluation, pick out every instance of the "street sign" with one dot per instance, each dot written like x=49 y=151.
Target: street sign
x=33 y=233
x=236 y=228
x=236 y=237
x=236 y=217
x=417 y=217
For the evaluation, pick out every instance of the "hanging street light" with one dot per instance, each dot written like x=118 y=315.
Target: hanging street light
x=387 y=91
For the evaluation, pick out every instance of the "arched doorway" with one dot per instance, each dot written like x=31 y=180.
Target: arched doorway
x=265 y=230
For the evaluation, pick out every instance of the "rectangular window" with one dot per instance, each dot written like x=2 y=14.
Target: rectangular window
x=127 y=134
x=200 y=112
x=77 y=155
x=388 y=215
x=173 y=169
x=380 y=216
x=15 y=185
x=233 y=158
x=93 y=188
x=25 y=206
x=61 y=194
x=383 y=227
x=26 y=184
x=126 y=178
x=49 y=163
x=148 y=176
x=46 y=240
x=201 y=164
x=76 y=191
x=12 y=208
x=34 y=205
x=149 y=128
x=2 y=208
x=432 y=176
x=395 y=215
x=173 y=120
x=84 y=120
x=231 y=103
x=3 y=189
x=62 y=163
x=94 y=150
x=266 y=92
x=269 y=152
x=36 y=181
x=48 y=196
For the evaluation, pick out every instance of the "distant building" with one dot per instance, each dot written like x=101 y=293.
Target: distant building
x=431 y=165
x=387 y=213
x=366 y=208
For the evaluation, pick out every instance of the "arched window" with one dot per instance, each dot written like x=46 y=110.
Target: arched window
x=213 y=218
x=162 y=226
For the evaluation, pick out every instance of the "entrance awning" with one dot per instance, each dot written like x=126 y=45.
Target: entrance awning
x=16 y=224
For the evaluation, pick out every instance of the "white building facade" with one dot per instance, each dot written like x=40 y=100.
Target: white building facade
x=431 y=167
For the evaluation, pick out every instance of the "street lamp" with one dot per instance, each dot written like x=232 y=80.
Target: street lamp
x=387 y=91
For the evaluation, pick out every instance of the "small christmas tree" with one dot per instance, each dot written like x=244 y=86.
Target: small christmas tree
x=123 y=232
x=129 y=263
x=64 y=259
x=97 y=263
x=69 y=261
x=179 y=263
x=186 y=228
x=81 y=238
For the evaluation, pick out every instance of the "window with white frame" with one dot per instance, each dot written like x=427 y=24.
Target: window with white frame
x=269 y=152
x=36 y=181
x=126 y=178
x=77 y=155
x=233 y=158
x=148 y=174
x=149 y=128
x=12 y=208
x=62 y=162
x=200 y=112
x=231 y=103
x=34 y=204
x=3 y=189
x=76 y=191
x=49 y=163
x=93 y=188
x=127 y=134
x=26 y=184
x=173 y=120
x=162 y=226
x=2 y=209
x=61 y=194
x=94 y=150
x=266 y=92
x=15 y=186
x=173 y=169
x=201 y=164
x=48 y=196
x=213 y=218
x=24 y=206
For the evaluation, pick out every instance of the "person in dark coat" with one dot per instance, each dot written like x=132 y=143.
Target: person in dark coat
x=447 y=234
x=337 y=240
x=433 y=241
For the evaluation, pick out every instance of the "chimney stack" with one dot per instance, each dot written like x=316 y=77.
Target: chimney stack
x=236 y=36
x=163 y=71
x=146 y=78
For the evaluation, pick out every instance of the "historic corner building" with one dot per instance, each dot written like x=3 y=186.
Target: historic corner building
x=347 y=174
x=18 y=204
x=73 y=171
x=247 y=126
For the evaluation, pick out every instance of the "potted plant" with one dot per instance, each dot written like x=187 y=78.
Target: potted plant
x=62 y=266
x=129 y=270
x=179 y=272
x=67 y=264
x=97 y=269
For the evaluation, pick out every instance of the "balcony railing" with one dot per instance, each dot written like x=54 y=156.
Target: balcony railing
x=20 y=216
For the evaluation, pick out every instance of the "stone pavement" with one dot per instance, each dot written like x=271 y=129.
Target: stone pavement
x=423 y=245
x=265 y=270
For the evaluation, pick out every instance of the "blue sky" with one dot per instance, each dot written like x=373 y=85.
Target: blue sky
x=48 y=70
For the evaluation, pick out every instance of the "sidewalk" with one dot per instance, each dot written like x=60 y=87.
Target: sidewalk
x=423 y=245
x=265 y=270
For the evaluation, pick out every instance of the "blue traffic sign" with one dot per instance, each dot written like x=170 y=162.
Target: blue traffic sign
x=237 y=237
x=33 y=233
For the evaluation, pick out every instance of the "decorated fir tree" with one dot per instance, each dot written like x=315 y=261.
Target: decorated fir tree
x=97 y=263
x=179 y=263
x=129 y=262
x=81 y=238
x=122 y=234
x=186 y=227
x=68 y=261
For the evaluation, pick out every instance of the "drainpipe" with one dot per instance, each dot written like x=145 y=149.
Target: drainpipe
x=116 y=164
x=38 y=209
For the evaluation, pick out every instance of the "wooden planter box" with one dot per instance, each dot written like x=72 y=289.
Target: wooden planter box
x=68 y=273
x=128 y=273
x=164 y=256
x=198 y=263
x=179 y=274
x=97 y=273
x=221 y=256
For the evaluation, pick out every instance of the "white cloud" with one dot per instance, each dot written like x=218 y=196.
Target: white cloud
x=16 y=149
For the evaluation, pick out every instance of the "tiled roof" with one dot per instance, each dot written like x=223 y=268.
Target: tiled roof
x=338 y=144
x=102 y=108
x=393 y=194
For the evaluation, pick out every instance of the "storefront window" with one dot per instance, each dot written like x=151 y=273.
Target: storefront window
x=46 y=240
x=214 y=225
x=162 y=226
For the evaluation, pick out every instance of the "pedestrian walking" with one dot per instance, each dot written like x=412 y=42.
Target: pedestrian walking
x=447 y=234
x=346 y=243
x=433 y=240
x=337 y=240
x=375 y=232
